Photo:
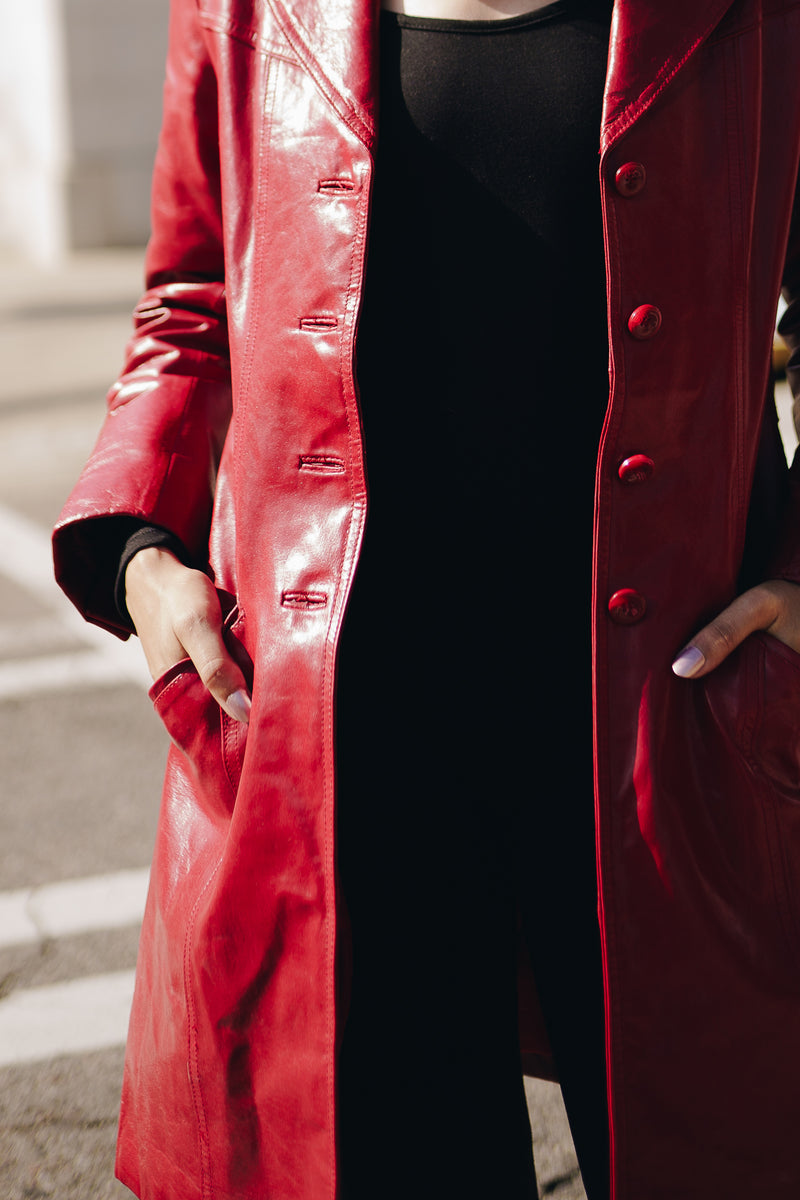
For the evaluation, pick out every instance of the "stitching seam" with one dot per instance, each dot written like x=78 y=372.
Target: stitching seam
x=206 y=1184
x=243 y=33
x=343 y=107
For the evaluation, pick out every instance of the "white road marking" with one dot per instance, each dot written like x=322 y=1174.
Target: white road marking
x=65 y=1018
x=27 y=562
x=27 y=557
x=72 y=907
x=56 y=673
x=32 y=633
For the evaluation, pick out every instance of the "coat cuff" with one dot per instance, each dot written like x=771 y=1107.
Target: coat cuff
x=152 y=463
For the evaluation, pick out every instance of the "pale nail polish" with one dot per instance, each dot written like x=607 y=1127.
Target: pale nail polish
x=688 y=662
x=238 y=706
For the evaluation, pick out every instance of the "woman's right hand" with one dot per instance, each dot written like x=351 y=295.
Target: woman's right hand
x=176 y=612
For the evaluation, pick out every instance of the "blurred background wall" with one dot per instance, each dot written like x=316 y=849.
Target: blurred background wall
x=80 y=105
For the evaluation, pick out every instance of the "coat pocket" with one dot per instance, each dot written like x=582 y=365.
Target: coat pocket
x=754 y=700
x=776 y=739
x=211 y=744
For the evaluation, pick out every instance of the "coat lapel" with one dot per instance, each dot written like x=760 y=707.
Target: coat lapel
x=336 y=40
x=650 y=41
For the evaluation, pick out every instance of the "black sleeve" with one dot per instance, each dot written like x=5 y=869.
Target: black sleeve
x=123 y=537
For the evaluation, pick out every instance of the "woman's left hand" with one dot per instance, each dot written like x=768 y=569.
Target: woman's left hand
x=773 y=606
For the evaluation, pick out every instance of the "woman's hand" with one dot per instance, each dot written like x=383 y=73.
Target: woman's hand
x=773 y=606
x=177 y=615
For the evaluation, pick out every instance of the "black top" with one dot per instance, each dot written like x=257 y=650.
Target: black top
x=484 y=325
x=463 y=703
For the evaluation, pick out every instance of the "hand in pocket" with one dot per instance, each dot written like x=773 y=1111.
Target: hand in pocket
x=773 y=607
x=177 y=615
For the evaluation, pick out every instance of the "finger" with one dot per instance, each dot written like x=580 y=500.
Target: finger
x=176 y=612
x=160 y=644
x=149 y=609
x=755 y=609
x=162 y=652
x=201 y=635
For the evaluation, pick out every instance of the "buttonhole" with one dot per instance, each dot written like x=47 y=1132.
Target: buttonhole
x=336 y=186
x=322 y=464
x=304 y=600
x=318 y=324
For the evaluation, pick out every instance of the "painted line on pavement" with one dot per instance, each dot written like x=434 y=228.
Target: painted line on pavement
x=73 y=906
x=57 y=673
x=27 y=562
x=65 y=1018
x=33 y=634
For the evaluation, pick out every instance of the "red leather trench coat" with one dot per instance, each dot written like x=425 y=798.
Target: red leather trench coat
x=237 y=414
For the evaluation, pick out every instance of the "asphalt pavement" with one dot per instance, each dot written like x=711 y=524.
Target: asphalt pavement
x=81 y=757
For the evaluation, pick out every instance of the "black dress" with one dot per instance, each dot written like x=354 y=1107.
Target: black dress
x=464 y=718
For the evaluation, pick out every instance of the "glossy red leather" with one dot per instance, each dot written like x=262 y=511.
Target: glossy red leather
x=636 y=468
x=627 y=606
x=233 y=381
x=645 y=322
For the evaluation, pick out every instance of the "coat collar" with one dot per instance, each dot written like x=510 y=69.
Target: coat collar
x=650 y=42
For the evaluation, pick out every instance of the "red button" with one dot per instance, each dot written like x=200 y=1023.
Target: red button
x=636 y=469
x=645 y=321
x=627 y=606
x=630 y=178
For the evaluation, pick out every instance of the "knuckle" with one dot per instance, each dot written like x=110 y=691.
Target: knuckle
x=190 y=623
x=213 y=673
x=184 y=622
x=724 y=633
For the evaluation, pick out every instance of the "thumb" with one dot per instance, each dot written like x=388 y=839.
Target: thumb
x=753 y=610
x=223 y=678
x=203 y=640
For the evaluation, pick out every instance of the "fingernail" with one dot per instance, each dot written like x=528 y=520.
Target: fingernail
x=688 y=662
x=238 y=706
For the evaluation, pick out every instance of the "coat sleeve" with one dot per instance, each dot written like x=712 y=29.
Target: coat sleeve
x=168 y=413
